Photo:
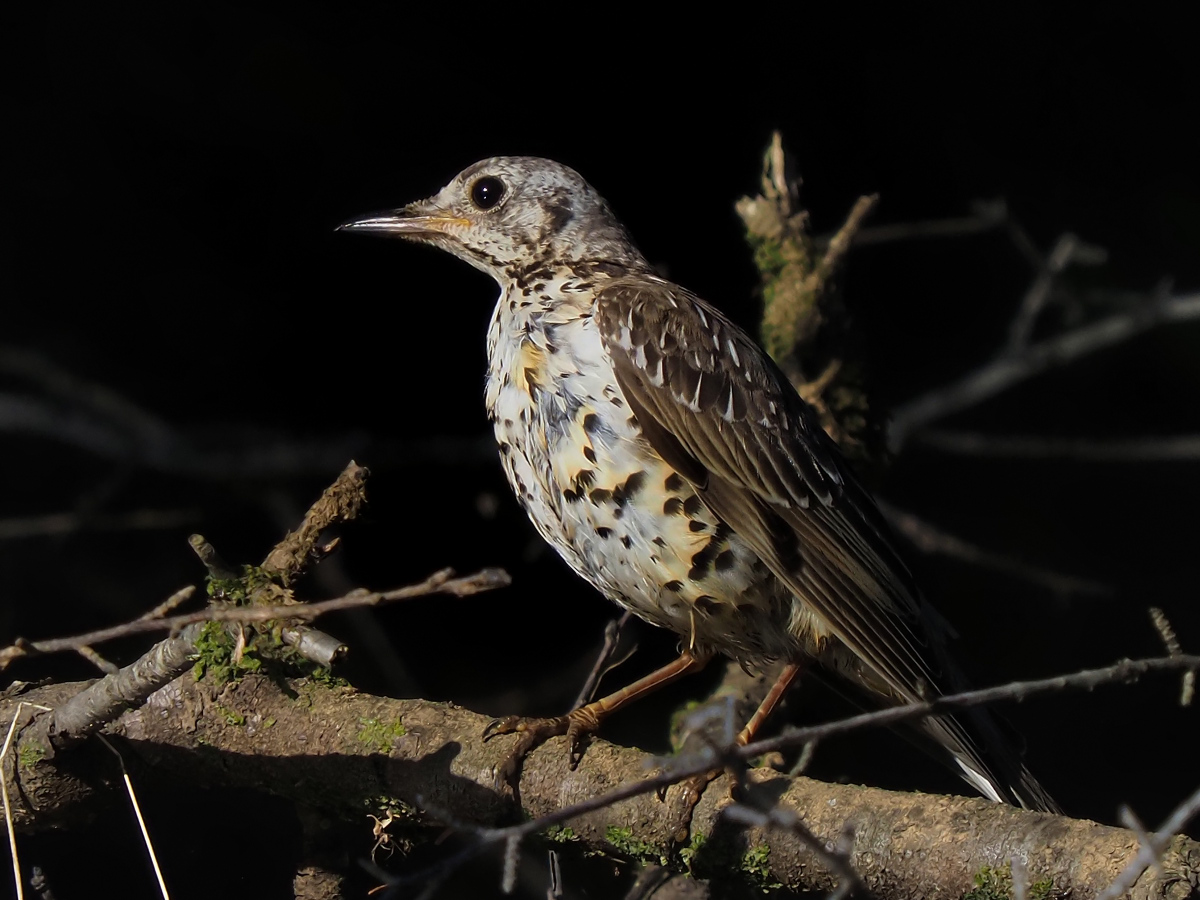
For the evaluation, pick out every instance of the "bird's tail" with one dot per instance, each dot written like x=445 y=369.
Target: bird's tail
x=988 y=760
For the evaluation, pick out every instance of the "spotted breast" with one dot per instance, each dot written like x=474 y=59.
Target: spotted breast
x=600 y=494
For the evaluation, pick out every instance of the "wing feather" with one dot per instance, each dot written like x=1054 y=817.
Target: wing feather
x=784 y=487
x=716 y=408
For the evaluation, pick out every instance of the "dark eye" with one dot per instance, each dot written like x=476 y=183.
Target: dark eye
x=487 y=191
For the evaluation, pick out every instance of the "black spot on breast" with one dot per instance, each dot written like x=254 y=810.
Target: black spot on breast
x=604 y=532
x=696 y=525
x=591 y=422
x=674 y=482
x=623 y=493
x=584 y=479
x=674 y=586
x=590 y=454
x=693 y=505
x=724 y=561
x=673 y=506
x=701 y=562
x=626 y=541
x=504 y=448
x=600 y=496
x=659 y=542
x=707 y=604
x=618 y=402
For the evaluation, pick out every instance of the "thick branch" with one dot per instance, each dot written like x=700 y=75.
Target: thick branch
x=341 y=751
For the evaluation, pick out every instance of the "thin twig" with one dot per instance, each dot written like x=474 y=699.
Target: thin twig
x=1171 y=642
x=928 y=538
x=97 y=660
x=1067 y=250
x=443 y=582
x=1004 y=372
x=1125 y=671
x=137 y=811
x=177 y=599
x=1152 y=849
x=603 y=664
x=1165 y=448
x=987 y=216
x=55 y=524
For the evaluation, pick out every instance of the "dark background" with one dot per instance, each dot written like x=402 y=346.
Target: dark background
x=172 y=183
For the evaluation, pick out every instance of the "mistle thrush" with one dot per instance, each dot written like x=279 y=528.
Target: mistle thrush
x=663 y=454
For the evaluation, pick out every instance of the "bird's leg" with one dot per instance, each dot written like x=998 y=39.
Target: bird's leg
x=694 y=786
x=586 y=719
x=787 y=675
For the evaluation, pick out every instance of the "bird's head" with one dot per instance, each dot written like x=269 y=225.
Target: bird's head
x=511 y=214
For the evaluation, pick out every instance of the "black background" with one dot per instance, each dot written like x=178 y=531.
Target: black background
x=172 y=183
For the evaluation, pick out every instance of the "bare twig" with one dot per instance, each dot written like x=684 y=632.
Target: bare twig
x=1152 y=846
x=1008 y=370
x=604 y=659
x=987 y=215
x=96 y=660
x=928 y=538
x=1171 y=642
x=1165 y=448
x=54 y=524
x=443 y=582
x=1068 y=250
x=99 y=421
x=137 y=811
x=176 y=600
x=1125 y=671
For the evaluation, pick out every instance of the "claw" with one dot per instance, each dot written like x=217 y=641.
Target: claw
x=576 y=741
x=534 y=733
x=507 y=725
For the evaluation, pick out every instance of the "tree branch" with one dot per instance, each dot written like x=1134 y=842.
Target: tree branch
x=1011 y=369
x=348 y=753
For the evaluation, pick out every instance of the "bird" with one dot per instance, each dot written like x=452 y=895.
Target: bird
x=667 y=459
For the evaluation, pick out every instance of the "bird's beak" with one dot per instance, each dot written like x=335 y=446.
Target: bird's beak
x=404 y=222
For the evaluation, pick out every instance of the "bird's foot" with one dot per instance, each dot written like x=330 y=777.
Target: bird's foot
x=534 y=732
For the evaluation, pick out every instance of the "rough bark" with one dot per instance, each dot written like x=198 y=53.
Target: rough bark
x=349 y=754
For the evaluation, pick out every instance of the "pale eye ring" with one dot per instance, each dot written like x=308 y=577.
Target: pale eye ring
x=487 y=192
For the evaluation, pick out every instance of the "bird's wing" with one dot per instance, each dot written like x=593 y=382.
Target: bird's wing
x=717 y=408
